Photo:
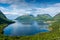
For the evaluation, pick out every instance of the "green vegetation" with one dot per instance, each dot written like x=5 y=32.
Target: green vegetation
x=44 y=17
x=26 y=19
x=1 y=27
x=53 y=34
x=3 y=19
x=3 y=23
x=57 y=17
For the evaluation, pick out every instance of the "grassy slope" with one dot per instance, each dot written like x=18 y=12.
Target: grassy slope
x=2 y=26
x=3 y=23
x=52 y=35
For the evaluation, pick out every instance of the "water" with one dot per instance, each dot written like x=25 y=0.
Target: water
x=19 y=29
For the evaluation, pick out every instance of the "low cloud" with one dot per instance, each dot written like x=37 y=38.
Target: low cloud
x=21 y=8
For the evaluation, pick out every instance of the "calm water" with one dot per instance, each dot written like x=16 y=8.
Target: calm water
x=19 y=29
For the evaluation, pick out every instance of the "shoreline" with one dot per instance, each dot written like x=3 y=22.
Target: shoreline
x=2 y=26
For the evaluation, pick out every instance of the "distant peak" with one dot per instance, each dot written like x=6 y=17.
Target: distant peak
x=0 y=11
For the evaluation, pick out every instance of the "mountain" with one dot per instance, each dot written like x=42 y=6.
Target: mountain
x=43 y=17
x=57 y=16
x=30 y=18
x=2 y=15
x=26 y=19
x=3 y=19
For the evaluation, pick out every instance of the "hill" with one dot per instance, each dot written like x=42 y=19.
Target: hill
x=2 y=15
x=3 y=19
x=26 y=19
x=44 y=17
x=4 y=22
x=54 y=34
x=57 y=16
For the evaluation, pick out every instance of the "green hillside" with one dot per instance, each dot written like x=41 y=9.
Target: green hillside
x=4 y=22
x=2 y=15
x=31 y=17
x=57 y=16
x=44 y=17
x=3 y=19
x=27 y=19
x=54 y=34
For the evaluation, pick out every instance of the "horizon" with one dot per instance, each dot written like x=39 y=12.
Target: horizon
x=34 y=7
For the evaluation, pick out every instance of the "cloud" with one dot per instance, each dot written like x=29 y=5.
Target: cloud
x=56 y=5
x=20 y=7
x=10 y=1
x=15 y=11
x=50 y=10
x=6 y=1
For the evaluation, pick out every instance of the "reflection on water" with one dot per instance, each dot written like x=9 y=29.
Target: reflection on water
x=18 y=29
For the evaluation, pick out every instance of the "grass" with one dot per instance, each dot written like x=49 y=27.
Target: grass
x=52 y=35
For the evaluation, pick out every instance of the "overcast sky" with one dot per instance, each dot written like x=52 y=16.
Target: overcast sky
x=34 y=7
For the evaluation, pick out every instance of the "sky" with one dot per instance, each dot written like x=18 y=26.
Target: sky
x=34 y=7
